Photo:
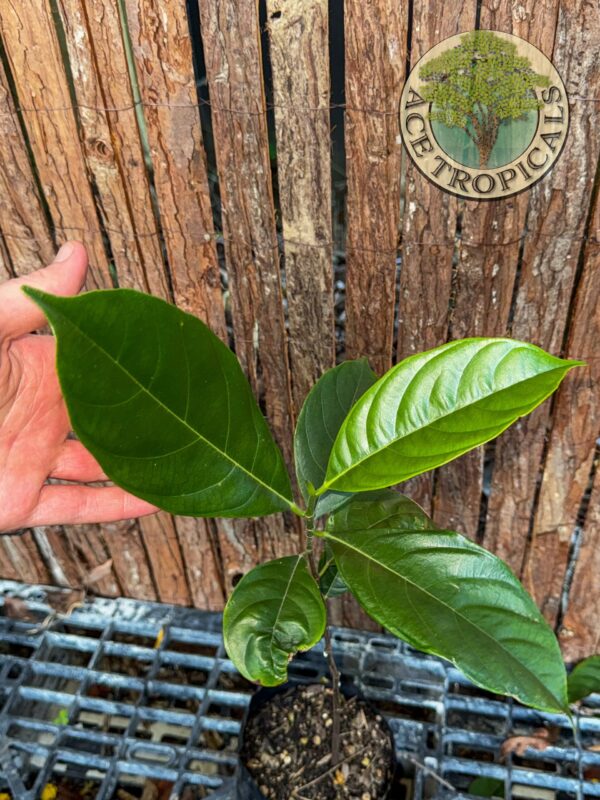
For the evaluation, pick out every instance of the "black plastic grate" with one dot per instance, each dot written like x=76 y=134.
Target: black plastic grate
x=123 y=692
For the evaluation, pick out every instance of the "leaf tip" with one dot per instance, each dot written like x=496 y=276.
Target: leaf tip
x=35 y=294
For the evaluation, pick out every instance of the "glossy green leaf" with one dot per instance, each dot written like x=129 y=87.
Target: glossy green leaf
x=329 y=502
x=325 y=408
x=164 y=406
x=274 y=611
x=330 y=580
x=447 y=596
x=433 y=407
x=584 y=679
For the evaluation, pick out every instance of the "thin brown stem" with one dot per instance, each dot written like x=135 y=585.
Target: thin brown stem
x=336 y=699
x=333 y=670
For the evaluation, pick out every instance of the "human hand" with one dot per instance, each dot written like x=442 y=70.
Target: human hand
x=34 y=423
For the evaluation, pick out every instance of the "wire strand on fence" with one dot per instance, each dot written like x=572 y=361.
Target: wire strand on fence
x=206 y=237
x=202 y=103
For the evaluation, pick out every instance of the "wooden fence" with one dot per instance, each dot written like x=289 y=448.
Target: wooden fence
x=152 y=134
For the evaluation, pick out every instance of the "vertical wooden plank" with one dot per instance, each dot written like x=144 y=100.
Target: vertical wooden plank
x=35 y=61
x=164 y=555
x=130 y=563
x=375 y=41
x=238 y=549
x=111 y=141
x=232 y=50
x=298 y=33
x=429 y=227
x=486 y=269
x=22 y=221
x=580 y=631
x=575 y=428
x=163 y=58
x=197 y=541
x=231 y=37
x=557 y=215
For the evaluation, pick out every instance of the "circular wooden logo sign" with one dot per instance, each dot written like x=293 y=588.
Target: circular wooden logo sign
x=484 y=115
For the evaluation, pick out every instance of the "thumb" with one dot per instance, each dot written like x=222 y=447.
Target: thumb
x=65 y=276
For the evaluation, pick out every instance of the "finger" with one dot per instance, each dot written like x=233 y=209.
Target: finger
x=75 y=505
x=76 y=463
x=65 y=276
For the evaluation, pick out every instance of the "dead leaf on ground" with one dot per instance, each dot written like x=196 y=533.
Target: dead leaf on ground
x=96 y=574
x=540 y=739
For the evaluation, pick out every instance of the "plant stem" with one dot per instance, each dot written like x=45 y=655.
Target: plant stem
x=333 y=670
x=335 y=698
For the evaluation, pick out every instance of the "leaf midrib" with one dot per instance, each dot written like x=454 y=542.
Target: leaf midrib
x=328 y=484
x=344 y=543
x=279 y=610
x=183 y=422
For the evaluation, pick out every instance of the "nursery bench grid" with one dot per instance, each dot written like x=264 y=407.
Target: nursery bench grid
x=124 y=690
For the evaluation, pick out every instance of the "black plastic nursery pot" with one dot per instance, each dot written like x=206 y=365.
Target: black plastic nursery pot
x=124 y=697
x=366 y=760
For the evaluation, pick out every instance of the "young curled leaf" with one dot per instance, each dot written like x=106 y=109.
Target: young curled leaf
x=274 y=611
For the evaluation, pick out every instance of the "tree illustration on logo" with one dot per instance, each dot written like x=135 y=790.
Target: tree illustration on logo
x=480 y=85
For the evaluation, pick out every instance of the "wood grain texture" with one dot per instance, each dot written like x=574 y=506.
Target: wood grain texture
x=428 y=229
x=130 y=561
x=6 y=270
x=575 y=428
x=165 y=559
x=197 y=540
x=163 y=57
x=230 y=34
x=111 y=142
x=580 y=632
x=238 y=550
x=22 y=222
x=20 y=560
x=71 y=552
x=298 y=34
x=35 y=61
x=375 y=42
x=231 y=39
x=557 y=215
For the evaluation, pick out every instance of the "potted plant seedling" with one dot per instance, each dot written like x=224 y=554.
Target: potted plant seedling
x=165 y=408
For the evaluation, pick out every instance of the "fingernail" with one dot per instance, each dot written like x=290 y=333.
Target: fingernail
x=65 y=252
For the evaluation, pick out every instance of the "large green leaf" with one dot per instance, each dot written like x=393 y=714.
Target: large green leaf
x=164 y=406
x=447 y=596
x=584 y=679
x=433 y=407
x=274 y=611
x=325 y=408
